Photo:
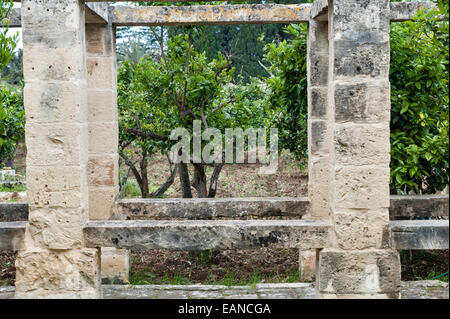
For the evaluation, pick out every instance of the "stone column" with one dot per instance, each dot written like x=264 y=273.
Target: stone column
x=318 y=135
x=53 y=262
x=362 y=262
x=103 y=158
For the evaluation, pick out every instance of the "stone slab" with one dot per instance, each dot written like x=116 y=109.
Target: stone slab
x=426 y=289
x=209 y=208
x=419 y=234
x=204 y=235
x=419 y=206
x=12 y=235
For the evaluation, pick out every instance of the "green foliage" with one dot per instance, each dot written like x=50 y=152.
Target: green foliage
x=287 y=98
x=7 y=43
x=12 y=122
x=419 y=103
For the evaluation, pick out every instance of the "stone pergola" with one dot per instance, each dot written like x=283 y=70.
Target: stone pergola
x=70 y=100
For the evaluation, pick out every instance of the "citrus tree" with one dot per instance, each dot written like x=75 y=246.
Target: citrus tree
x=163 y=92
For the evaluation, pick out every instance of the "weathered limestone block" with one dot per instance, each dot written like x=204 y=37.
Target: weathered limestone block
x=101 y=72
x=205 y=235
x=102 y=202
x=349 y=17
x=419 y=205
x=48 y=102
x=103 y=137
x=318 y=69
x=366 y=144
x=420 y=234
x=318 y=101
x=320 y=137
x=307 y=263
x=103 y=170
x=367 y=59
x=362 y=229
x=57 y=228
x=361 y=187
x=359 y=272
x=364 y=102
x=115 y=265
x=56 y=144
x=66 y=274
x=64 y=186
x=13 y=212
x=102 y=101
x=12 y=235
x=319 y=187
x=209 y=208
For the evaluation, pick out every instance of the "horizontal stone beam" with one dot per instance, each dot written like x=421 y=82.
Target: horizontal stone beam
x=13 y=212
x=12 y=235
x=404 y=11
x=208 y=14
x=97 y=13
x=419 y=206
x=419 y=234
x=319 y=10
x=209 y=208
x=204 y=235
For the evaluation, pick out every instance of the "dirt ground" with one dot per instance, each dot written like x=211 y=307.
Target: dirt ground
x=237 y=267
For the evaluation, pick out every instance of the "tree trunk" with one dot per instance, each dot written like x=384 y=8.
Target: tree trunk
x=144 y=176
x=184 y=181
x=160 y=191
x=199 y=181
x=214 y=178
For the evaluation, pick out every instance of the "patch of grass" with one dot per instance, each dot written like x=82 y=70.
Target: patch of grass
x=132 y=189
x=15 y=188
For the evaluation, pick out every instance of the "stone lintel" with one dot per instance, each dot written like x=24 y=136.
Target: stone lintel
x=97 y=13
x=208 y=14
x=404 y=11
x=419 y=234
x=204 y=235
x=319 y=10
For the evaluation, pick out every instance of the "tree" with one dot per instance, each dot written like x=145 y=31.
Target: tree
x=161 y=93
x=419 y=103
x=419 y=99
x=287 y=85
x=11 y=114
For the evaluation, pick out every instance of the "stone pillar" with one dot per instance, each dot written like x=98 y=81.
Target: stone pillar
x=318 y=135
x=103 y=158
x=53 y=262
x=362 y=262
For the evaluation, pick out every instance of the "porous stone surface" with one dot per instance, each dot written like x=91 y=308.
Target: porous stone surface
x=58 y=274
x=307 y=264
x=210 y=208
x=205 y=235
x=12 y=235
x=207 y=14
x=418 y=205
x=115 y=265
x=420 y=234
x=13 y=212
x=424 y=289
x=359 y=272
x=52 y=263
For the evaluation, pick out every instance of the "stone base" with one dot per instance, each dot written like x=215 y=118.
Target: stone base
x=307 y=264
x=43 y=273
x=115 y=266
x=347 y=274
